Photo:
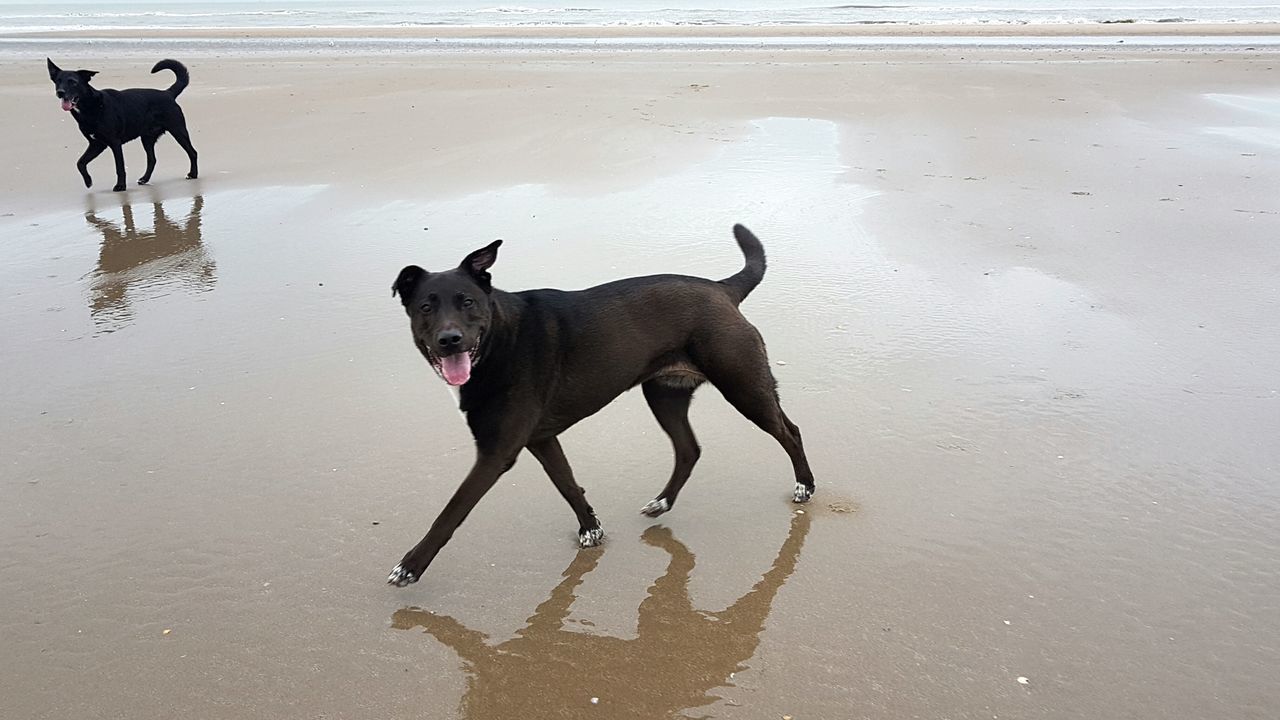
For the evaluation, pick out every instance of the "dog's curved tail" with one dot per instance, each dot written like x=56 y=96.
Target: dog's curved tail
x=184 y=78
x=741 y=283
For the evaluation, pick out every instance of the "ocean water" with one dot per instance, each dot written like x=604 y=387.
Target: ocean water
x=18 y=17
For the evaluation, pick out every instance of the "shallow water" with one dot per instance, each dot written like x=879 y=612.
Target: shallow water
x=17 y=48
x=607 y=13
x=1258 y=117
x=1032 y=465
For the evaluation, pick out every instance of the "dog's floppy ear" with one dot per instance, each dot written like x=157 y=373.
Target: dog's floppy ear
x=53 y=69
x=86 y=75
x=406 y=281
x=477 y=264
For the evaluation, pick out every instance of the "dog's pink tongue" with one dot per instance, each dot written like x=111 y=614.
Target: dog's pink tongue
x=456 y=368
x=66 y=105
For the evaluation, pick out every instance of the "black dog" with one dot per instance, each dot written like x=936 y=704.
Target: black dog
x=111 y=118
x=531 y=364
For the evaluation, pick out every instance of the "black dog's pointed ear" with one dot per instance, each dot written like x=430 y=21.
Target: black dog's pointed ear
x=477 y=264
x=86 y=75
x=53 y=69
x=406 y=281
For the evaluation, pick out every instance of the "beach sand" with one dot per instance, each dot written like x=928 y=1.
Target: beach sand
x=1021 y=303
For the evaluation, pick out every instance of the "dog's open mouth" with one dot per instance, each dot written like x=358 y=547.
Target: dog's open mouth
x=68 y=104
x=455 y=368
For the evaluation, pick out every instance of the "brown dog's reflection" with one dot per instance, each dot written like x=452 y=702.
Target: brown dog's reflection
x=679 y=655
x=138 y=264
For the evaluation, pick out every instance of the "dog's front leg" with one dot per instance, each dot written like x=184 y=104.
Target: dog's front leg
x=118 y=151
x=94 y=150
x=551 y=455
x=488 y=468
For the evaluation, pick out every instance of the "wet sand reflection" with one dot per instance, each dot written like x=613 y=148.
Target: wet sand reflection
x=139 y=264
x=679 y=656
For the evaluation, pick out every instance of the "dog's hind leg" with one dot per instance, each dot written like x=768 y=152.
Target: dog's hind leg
x=551 y=456
x=179 y=133
x=794 y=446
x=739 y=369
x=670 y=405
x=148 y=144
x=94 y=150
x=761 y=407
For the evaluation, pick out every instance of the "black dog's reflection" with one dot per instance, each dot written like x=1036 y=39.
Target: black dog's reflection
x=171 y=255
x=679 y=655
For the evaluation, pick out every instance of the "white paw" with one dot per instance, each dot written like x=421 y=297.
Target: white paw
x=802 y=493
x=590 y=538
x=401 y=577
x=655 y=507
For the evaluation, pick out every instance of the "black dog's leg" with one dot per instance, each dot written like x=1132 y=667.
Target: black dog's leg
x=763 y=409
x=739 y=369
x=118 y=151
x=483 y=475
x=670 y=405
x=148 y=144
x=794 y=446
x=551 y=455
x=94 y=150
x=179 y=133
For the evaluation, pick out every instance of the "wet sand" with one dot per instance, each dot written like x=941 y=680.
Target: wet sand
x=1021 y=303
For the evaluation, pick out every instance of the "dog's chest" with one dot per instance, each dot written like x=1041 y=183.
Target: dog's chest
x=87 y=126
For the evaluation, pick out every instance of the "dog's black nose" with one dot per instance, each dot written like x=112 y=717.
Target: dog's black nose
x=449 y=339
x=60 y=93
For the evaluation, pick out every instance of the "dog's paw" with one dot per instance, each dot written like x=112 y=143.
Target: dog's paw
x=192 y=176
x=401 y=577
x=803 y=493
x=590 y=538
x=88 y=181
x=655 y=507
x=118 y=188
x=143 y=181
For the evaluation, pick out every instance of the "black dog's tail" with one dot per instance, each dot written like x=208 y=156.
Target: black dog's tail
x=741 y=283
x=178 y=69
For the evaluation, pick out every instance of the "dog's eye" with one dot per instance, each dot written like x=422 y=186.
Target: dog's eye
x=468 y=302
x=425 y=308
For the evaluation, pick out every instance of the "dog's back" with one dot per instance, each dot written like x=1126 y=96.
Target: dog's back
x=678 y=330
x=130 y=112
x=657 y=311
x=135 y=111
